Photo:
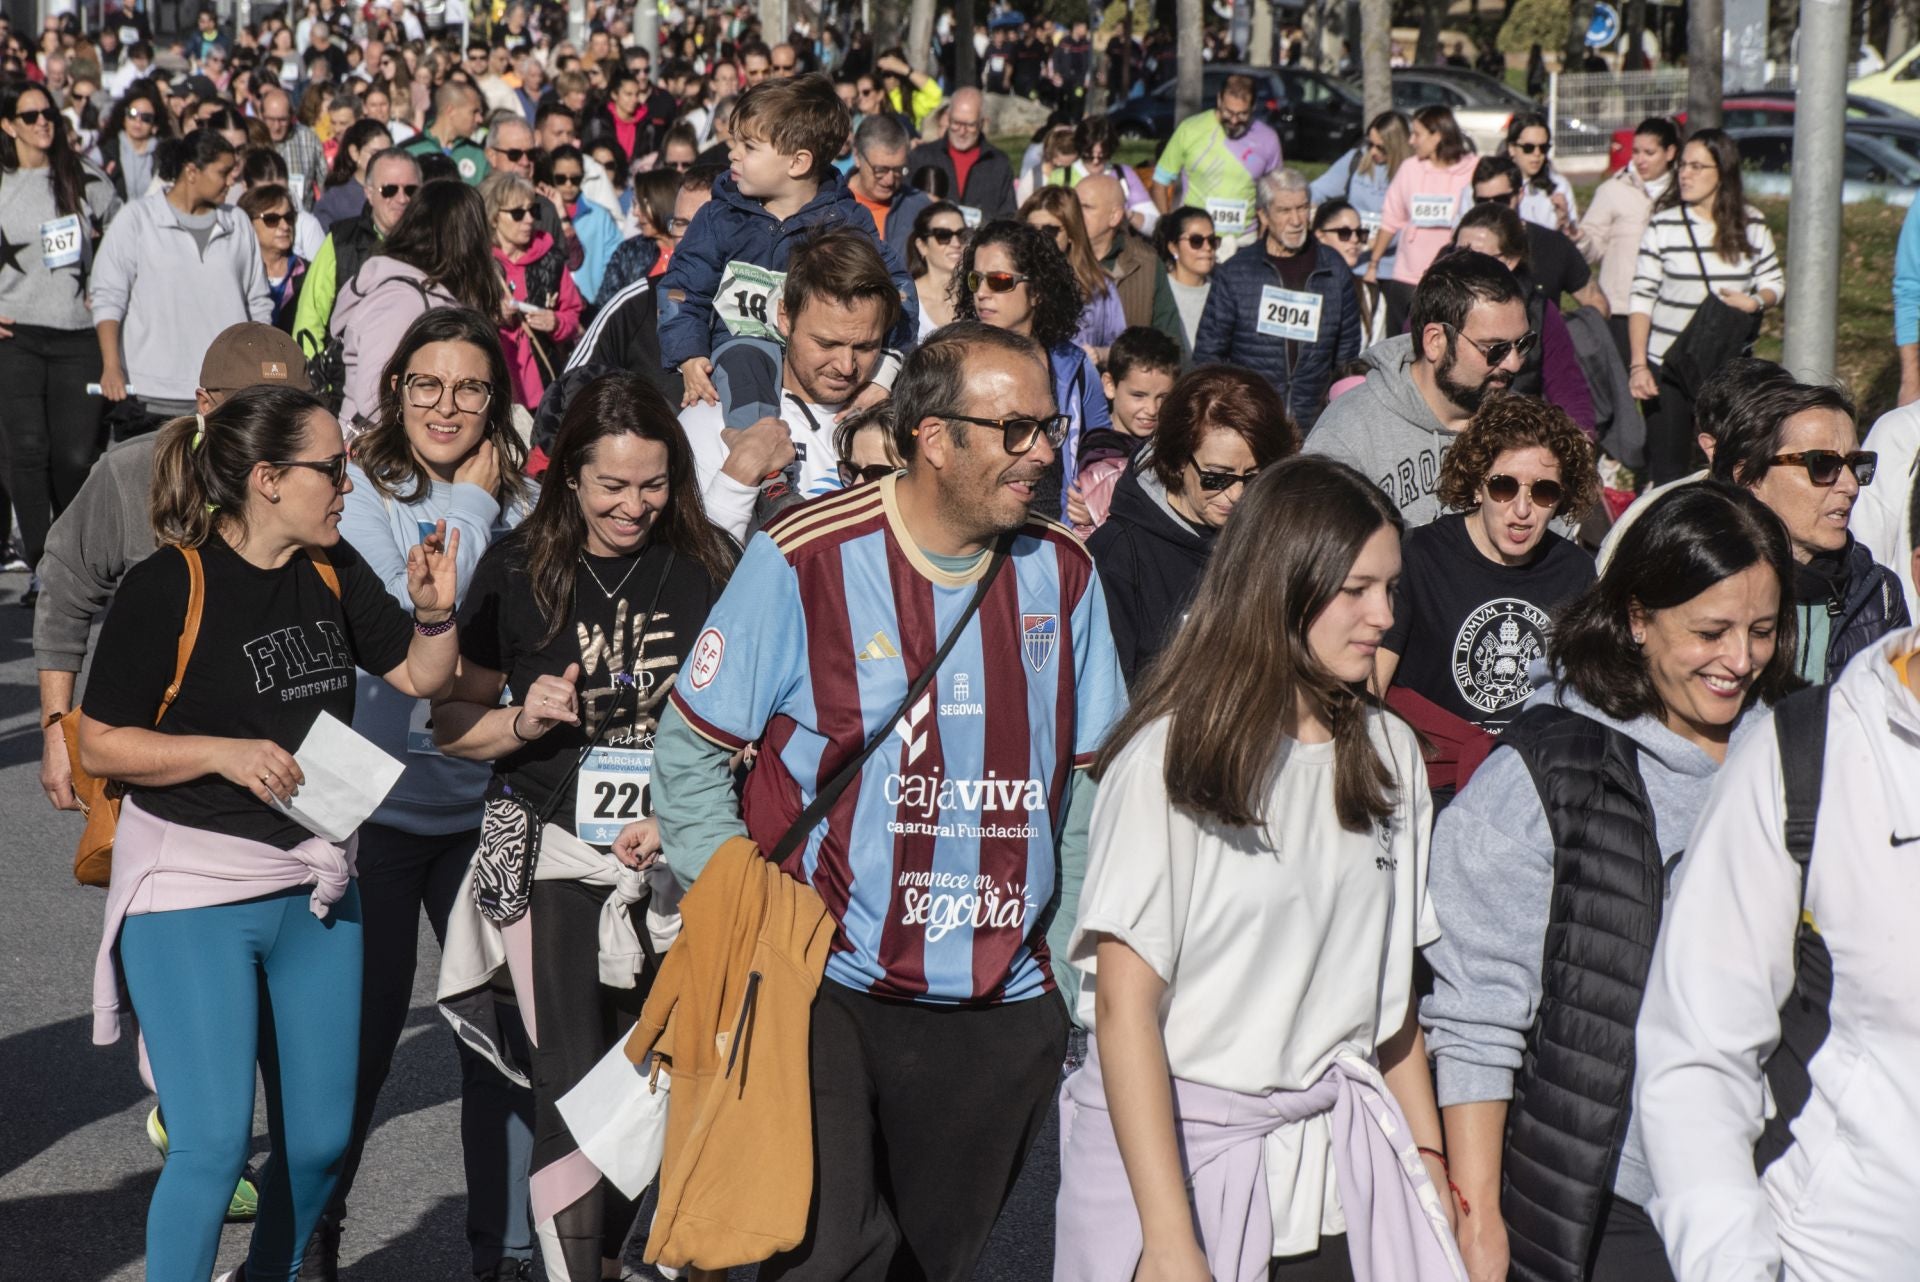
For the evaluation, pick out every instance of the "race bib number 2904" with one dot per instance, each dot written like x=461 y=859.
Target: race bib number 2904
x=1290 y=313
x=745 y=301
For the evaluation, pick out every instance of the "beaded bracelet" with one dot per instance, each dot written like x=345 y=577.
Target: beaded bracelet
x=432 y=629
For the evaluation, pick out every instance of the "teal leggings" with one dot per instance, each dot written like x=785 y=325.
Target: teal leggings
x=215 y=990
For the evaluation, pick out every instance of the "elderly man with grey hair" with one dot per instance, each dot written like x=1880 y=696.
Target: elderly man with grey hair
x=978 y=173
x=1286 y=309
x=298 y=145
x=879 y=180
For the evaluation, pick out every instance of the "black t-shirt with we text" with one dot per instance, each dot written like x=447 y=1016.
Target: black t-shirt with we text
x=276 y=649
x=1467 y=628
x=612 y=638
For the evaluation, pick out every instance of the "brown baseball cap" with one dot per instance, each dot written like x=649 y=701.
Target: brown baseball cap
x=253 y=355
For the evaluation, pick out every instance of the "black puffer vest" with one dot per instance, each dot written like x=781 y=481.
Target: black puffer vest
x=1571 y=1099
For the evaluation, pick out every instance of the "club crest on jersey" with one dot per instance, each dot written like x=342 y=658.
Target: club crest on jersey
x=1038 y=633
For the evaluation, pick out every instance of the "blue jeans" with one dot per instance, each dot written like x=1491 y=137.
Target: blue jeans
x=746 y=373
x=217 y=990
x=401 y=873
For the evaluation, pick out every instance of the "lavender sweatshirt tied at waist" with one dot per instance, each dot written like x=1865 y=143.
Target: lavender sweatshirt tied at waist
x=1397 y=1227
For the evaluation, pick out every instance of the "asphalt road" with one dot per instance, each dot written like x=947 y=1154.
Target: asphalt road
x=76 y=1169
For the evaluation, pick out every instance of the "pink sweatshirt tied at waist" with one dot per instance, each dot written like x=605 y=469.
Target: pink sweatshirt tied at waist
x=160 y=866
x=1397 y=1229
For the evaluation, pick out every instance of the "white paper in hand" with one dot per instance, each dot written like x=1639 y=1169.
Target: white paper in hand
x=347 y=779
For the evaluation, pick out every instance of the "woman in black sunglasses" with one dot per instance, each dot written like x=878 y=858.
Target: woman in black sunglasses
x=269 y=208
x=1013 y=276
x=53 y=206
x=1547 y=197
x=1478 y=586
x=1339 y=226
x=933 y=254
x=1190 y=248
x=1797 y=449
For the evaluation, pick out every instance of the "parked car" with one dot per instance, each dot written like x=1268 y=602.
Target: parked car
x=1316 y=116
x=1874 y=169
x=1483 y=106
x=1774 y=108
x=1898 y=83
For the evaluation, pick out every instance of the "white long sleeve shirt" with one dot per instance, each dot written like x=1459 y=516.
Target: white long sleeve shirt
x=1839 y=1205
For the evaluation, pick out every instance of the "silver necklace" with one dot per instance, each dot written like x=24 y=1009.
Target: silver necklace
x=604 y=589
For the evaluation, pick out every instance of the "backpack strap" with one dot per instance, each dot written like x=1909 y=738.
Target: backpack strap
x=324 y=567
x=189 y=628
x=1800 y=724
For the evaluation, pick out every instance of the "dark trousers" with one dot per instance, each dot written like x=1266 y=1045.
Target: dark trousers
x=1630 y=1248
x=54 y=430
x=577 y=1019
x=922 y=1117
x=1329 y=1263
x=400 y=873
x=1399 y=296
x=1672 y=451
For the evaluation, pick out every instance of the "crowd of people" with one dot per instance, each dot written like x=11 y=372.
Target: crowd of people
x=1320 y=680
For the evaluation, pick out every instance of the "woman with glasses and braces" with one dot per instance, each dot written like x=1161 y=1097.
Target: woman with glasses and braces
x=1219 y=426
x=1797 y=449
x=1013 y=276
x=1478 y=586
x=227 y=916
x=443 y=449
x=543 y=303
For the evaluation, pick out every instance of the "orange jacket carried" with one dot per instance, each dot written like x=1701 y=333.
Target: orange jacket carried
x=731 y=1013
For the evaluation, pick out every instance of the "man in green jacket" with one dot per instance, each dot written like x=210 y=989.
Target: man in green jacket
x=392 y=178
x=457 y=112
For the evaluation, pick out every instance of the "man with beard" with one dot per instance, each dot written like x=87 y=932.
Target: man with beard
x=1468 y=338
x=835 y=311
x=951 y=868
x=1288 y=312
x=1218 y=156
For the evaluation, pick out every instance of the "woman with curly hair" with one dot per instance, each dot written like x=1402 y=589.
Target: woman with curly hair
x=1056 y=211
x=1480 y=583
x=1013 y=276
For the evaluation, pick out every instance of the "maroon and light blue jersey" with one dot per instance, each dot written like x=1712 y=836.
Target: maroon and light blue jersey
x=939 y=861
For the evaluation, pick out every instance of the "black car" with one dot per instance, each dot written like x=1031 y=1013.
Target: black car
x=1883 y=160
x=1316 y=116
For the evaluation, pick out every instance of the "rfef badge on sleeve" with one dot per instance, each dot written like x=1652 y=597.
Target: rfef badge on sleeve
x=1290 y=313
x=615 y=788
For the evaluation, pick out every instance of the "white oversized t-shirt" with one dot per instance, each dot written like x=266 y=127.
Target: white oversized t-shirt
x=1282 y=947
x=730 y=503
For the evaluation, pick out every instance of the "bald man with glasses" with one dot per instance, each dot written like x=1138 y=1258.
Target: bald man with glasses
x=978 y=173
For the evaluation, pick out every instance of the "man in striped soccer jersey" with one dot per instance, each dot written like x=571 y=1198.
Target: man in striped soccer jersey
x=953 y=864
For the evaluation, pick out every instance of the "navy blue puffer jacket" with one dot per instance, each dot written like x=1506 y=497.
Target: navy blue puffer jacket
x=1301 y=372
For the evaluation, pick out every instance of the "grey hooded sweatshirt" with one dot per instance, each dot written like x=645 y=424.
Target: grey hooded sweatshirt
x=1386 y=429
x=1491 y=880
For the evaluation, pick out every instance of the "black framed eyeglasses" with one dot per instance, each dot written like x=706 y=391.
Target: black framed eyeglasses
x=944 y=235
x=424 y=391
x=519 y=213
x=1823 y=466
x=883 y=171
x=1214 y=482
x=1496 y=352
x=569 y=180
x=334 y=468
x=1544 y=492
x=389 y=190
x=515 y=154
x=1019 y=432
x=677 y=226
x=1196 y=241
x=851 y=475
x=274 y=219
x=1533 y=148
x=1343 y=234
x=37 y=115
x=996 y=282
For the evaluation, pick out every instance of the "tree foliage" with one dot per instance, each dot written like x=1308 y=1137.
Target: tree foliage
x=1531 y=22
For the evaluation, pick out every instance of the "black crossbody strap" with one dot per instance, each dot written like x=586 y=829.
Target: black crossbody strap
x=827 y=796
x=1800 y=723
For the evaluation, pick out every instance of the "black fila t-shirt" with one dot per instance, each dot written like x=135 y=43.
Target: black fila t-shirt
x=276 y=649
x=628 y=659
x=1468 y=629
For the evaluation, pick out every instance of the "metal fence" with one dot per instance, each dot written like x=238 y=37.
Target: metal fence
x=1586 y=107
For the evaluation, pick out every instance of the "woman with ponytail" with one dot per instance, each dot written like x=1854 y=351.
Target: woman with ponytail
x=53 y=206
x=176 y=268
x=216 y=887
x=1254 y=897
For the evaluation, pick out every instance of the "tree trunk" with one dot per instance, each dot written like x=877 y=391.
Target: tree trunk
x=1190 y=41
x=966 y=72
x=1376 y=55
x=1901 y=28
x=920 y=37
x=1706 y=71
x=885 y=32
x=1426 y=50
x=1579 y=19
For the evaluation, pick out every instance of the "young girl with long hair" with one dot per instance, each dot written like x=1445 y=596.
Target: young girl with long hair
x=1259 y=845
x=1056 y=211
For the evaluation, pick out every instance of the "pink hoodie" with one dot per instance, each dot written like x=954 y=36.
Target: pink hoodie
x=1423 y=203
x=528 y=381
x=370 y=315
x=161 y=867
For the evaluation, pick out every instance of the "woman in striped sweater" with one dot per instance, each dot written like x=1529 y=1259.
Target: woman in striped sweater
x=1703 y=239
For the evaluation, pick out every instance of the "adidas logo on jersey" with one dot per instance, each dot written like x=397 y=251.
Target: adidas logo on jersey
x=878 y=648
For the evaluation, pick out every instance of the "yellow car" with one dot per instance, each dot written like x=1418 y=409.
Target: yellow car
x=1897 y=84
